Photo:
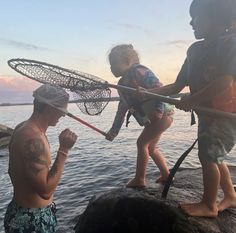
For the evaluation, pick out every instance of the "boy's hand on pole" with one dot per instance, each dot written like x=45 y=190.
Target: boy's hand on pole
x=185 y=103
x=140 y=93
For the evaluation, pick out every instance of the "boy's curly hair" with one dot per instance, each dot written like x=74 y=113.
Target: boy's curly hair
x=222 y=12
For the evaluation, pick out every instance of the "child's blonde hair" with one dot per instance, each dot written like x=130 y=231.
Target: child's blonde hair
x=124 y=51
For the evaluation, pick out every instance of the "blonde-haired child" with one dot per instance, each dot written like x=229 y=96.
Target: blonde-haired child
x=155 y=116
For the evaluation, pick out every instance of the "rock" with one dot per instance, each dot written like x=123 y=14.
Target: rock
x=5 y=135
x=143 y=210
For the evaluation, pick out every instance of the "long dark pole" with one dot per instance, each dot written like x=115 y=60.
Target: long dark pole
x=200 y=109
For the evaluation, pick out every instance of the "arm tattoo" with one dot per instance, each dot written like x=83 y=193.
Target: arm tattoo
x=53 y=171
x=34 y=155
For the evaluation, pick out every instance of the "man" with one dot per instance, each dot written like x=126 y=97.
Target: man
x=33 y=178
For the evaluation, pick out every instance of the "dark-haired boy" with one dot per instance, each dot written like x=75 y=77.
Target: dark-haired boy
x=210 y=72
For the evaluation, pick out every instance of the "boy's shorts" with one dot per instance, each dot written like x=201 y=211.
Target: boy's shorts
x=28 y=220
x=216 y=137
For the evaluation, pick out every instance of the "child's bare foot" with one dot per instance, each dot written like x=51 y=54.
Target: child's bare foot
x=227 y=202
x=136 y=183
x=162 y=179
x=199 y=210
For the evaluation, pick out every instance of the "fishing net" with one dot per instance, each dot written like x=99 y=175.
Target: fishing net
x=90 y=93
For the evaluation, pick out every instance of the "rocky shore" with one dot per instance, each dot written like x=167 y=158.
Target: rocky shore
x=143 y=210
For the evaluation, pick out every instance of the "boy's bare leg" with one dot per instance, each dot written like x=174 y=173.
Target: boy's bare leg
x=229 y=200
x=211 y=179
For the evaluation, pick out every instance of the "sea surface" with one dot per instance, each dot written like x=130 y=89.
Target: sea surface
x=96 y=165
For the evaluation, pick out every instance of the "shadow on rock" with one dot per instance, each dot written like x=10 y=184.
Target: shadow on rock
x=132 y=211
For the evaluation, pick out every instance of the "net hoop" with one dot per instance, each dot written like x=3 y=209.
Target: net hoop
x=93 y=91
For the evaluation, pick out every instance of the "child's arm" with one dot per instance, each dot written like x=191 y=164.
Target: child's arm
x=118 y=121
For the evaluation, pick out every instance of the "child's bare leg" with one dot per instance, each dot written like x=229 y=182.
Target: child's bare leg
x=146 y=145
x=159 y=127
x=207 y=207
x=226 y=184
x=141 y=164
x=160 y=161
x=142 y=160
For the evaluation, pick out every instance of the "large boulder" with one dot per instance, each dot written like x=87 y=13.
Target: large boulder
x=143 y=210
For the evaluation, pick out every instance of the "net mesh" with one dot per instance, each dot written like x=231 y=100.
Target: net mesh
x=90 y=93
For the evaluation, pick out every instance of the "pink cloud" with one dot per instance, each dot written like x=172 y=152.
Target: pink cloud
x=16 y=89
x=18 y=83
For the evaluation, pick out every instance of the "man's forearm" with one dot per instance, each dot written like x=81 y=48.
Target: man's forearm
x=54 y=175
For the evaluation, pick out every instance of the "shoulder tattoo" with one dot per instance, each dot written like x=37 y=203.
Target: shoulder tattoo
x=34 y=155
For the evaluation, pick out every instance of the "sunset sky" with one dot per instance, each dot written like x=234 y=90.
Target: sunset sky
x=78 y=34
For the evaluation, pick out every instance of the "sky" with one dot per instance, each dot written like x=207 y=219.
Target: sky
x=78 y=34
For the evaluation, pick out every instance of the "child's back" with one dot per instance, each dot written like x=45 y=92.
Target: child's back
x=152 y=114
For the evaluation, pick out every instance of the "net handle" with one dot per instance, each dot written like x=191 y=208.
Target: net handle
x=78 y=119
x=169 y=100
x=85 y=123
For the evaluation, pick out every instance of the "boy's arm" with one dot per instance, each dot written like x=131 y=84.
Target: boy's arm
x=177 y=86
x=170 y=89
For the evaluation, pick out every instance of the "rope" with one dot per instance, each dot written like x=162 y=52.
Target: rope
x=175 y=169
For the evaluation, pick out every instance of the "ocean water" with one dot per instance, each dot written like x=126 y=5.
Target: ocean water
x=96 y=165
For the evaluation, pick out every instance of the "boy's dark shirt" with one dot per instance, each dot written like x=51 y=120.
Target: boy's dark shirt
x=208 y=61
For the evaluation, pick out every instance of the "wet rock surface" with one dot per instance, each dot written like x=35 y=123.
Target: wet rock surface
x=143 y=210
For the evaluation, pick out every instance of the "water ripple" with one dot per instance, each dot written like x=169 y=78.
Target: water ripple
x=96 y=165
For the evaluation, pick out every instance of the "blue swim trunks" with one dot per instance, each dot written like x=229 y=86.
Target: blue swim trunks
x=216 y=137
x=30 y=220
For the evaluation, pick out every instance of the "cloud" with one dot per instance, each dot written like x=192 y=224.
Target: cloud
x=179 y=42
x=17 y=83
x=128 y=26
x=16 y=89
x=174 y=46
x=21 y=45
x=134 y=27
